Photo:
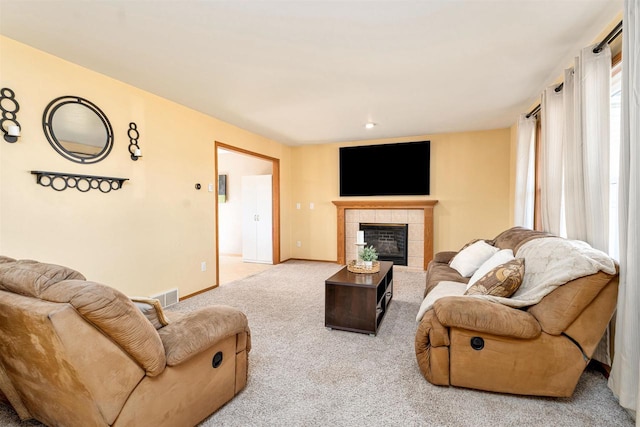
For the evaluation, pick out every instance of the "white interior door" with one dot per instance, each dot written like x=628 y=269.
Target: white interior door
x=264 y=223
x=257 y=234
x=249 y=234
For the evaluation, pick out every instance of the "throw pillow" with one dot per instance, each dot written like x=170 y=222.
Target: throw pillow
x=152 y=310
x=471 y=242
x=503 y=281
x=500 y=257
x=468 y=260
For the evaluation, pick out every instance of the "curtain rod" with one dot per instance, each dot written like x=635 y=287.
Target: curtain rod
x=608 y=39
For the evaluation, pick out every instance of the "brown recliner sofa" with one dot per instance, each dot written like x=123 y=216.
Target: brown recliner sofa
x=78 y=353
x=538 y=350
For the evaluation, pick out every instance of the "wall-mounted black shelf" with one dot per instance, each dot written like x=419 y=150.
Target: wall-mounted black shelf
x=61 y=181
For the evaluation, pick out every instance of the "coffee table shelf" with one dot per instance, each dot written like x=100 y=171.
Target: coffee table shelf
x=358 y=302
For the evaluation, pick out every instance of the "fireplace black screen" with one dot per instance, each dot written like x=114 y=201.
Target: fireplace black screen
x=390 y=241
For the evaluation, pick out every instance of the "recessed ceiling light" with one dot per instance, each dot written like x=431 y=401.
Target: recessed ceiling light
x=370 y=125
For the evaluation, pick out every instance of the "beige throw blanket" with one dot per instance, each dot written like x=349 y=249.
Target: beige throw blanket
x=549 y=262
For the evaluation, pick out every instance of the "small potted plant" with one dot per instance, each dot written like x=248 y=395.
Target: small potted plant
x=368 y=255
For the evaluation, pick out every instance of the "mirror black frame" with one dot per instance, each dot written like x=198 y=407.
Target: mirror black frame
x=47 y=126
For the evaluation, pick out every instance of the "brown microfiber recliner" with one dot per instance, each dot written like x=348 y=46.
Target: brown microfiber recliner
x=539 y=350
x=78 y=353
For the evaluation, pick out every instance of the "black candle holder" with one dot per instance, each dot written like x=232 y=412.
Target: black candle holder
x=9 y=107
x=133 y=141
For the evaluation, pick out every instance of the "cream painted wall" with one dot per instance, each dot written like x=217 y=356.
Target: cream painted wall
x=470 y=177
x=152 y=234
x=235 y=166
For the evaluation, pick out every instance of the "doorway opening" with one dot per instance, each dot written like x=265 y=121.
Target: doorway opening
x=232 y=164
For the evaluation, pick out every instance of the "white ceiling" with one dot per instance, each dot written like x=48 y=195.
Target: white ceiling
x=305 y=72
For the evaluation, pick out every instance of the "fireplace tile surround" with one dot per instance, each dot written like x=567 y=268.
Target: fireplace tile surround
x=418 y=214
x=354 y=217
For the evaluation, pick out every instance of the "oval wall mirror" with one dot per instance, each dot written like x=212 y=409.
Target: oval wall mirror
x=77 y=129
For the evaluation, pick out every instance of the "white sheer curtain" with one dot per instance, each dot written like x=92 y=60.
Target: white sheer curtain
x=625 y=374
x=574 y=181
x=551 y=159
x=576 y=224
x=586 y=111
x=525 y=172
x=574 y=169
x=595 y=85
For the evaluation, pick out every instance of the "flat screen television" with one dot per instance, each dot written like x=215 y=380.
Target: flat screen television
x=385 y=170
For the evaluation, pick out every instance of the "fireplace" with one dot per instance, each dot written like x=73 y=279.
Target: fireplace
x=389 y=240
x=417 y=213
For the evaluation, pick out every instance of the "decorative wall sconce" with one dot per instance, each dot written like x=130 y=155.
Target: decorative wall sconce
x=134 y=148
x=9 y=121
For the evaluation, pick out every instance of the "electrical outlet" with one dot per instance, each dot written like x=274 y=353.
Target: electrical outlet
x=311 y=205
x=210 y=188
x=297 y=205
x=299 y=243
x=203 y=266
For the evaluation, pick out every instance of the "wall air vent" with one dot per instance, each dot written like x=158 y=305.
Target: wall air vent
x=167 y=298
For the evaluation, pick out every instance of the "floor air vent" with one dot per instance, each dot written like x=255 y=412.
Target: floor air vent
x=167 y=298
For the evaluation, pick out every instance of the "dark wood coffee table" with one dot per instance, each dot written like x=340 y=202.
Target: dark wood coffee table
x=358 y=302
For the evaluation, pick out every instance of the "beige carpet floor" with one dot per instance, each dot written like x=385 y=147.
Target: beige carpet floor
x=301 y=374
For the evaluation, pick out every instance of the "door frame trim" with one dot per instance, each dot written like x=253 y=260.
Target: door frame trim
x=275 y=194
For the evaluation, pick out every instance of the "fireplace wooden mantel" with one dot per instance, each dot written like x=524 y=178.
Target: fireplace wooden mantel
x=426 y=205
